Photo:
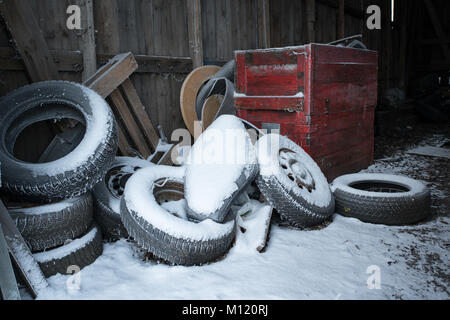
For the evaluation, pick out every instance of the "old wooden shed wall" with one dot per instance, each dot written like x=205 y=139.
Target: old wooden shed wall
x=160 y=27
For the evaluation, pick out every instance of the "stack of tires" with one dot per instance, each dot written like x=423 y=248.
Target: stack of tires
x=51 y=202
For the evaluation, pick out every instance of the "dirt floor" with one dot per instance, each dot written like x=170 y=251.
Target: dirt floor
x=402 y=131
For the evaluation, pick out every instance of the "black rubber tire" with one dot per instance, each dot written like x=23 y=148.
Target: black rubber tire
x=399 y=208
x=294 y=209
x=77 y=172
x=106 y=216
x=49 y=226
x=173 y=249
x=85 y=254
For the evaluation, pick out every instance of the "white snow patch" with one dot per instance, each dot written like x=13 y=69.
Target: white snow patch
x=139 y=198
x=177 y=207
x=217 y=159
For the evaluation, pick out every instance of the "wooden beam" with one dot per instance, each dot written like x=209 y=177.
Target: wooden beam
x=195 y=32
x=341 y=20
x=72 y=61
x=311 y=19
x=437 y=27
x=156 y=64
x=264 y=23
x=29 y=40
x=122 y=108
x=141 y=115
x=112 y=74
x=88 y=40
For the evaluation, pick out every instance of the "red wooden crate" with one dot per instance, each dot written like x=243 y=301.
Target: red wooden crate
x=322 y=97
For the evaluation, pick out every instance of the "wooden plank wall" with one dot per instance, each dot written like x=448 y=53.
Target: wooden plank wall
x=159 y=27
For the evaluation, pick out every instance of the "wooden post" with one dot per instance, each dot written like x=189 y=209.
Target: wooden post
x=264 y=23
x=437 y=27
x=341 y=20
x=88 y=39
x=195 y=32
x=30 y=42
x=311 y=19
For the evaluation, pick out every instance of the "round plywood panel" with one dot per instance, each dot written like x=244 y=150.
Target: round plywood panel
x=189 y=91
x=210 y=108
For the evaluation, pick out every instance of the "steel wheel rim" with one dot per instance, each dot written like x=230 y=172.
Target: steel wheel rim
x=295 y=170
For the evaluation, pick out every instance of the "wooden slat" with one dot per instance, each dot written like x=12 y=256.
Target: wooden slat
x=121 y=107
x=195 y=32
x=139 y=110
x=311 y=19
x=72 y=61
x=29 y=40
x=341 y=19
x=123 y=143
x=263 y=23
x=109 y=77
x=88 y=40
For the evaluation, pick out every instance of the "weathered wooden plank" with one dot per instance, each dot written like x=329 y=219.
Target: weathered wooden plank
x=195 y=32
x=139 y=110
x=111 y=75
x=29 y=40
x=311 y=19
x=263 y=24
x=72 y=61
x=120 y=105
x=88 y=40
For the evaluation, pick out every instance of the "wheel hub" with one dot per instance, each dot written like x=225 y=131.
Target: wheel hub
x=117 y=178
x=295 y=170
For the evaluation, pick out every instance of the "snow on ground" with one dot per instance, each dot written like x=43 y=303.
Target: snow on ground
x=333 y=262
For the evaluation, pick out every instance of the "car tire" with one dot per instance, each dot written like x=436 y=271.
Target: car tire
x=76 y=254
x=292 y=182
x=176 y=240
x=108 y=192
x=48 y=226
x=381 y=198
x=78 y=171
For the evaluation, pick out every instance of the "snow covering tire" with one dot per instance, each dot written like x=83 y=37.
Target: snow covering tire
x=381 y=198
x=223 y=213
x=108 y=192
x=49 y=226
x=72 y=256
x=295 y=186
x=78 y=171
x=168 y=237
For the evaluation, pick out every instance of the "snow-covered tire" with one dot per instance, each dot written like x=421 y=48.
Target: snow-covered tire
x=76 y=254
x=77 y=172
x=168 y=237
x=223 y=213
x=381 y=198
x=108 y=192
x=292 y=182
x=212 y=183
x=48 y=226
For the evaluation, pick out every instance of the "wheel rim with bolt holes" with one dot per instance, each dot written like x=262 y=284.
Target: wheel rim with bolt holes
x=295 y=170
x=116 y=180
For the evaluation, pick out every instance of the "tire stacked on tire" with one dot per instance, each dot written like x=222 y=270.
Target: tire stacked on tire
x=51 y=203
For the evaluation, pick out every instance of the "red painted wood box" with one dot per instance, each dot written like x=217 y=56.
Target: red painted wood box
x=322 y=97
